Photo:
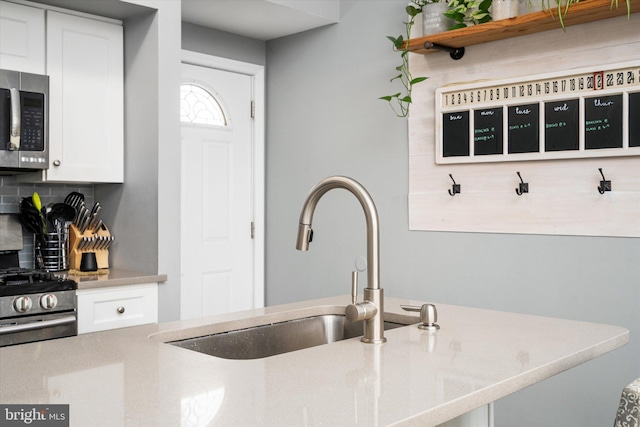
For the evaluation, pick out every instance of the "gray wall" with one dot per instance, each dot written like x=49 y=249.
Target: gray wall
x=324 y=118
x=225 y=45
x=145 y=211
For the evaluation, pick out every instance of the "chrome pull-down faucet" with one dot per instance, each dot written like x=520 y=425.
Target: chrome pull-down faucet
x=371 y=309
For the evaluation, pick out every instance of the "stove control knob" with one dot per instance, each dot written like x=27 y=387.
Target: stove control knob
x=48 y=301
x=22 y=304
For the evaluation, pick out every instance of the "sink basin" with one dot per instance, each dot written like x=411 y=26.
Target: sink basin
x=281 y=337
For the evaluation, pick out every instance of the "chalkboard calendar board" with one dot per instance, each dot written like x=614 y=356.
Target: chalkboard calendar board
x=590 y=112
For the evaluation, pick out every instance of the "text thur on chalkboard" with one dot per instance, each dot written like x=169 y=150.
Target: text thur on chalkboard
x=603 y=122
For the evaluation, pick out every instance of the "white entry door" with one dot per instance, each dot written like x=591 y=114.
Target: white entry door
x=217 y=192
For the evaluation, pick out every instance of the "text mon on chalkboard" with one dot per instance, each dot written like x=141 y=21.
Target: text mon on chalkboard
x=487 y=131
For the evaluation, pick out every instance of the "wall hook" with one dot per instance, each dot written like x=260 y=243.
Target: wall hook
x=605 y=185
x=455 y=188
x=523 y=187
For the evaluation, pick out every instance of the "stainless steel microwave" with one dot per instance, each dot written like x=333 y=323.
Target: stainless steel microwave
x=24 y=121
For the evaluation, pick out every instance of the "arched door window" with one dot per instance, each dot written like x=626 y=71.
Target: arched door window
x=199 y=106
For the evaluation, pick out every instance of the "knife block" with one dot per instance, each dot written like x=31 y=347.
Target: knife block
x=75 y=254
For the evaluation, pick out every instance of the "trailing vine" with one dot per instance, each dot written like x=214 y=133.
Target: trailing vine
x=400 y=102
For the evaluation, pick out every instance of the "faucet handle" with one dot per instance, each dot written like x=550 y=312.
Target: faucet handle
x=354 y=287
x=428 y=315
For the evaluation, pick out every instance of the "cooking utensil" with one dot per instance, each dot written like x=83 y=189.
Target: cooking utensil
x=62 y=211
x=74 y=199
x=35 y=198
x=60 y=214
x=30 y=217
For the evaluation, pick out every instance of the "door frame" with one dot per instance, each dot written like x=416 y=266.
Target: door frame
x=257 y=74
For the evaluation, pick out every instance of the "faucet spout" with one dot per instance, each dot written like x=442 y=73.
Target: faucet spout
x=305 y=233
x=372 y=308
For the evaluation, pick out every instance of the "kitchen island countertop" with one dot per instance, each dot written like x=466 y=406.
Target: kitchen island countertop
x=130 y=377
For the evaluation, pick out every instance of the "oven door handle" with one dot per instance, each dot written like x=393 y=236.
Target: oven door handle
x=37 y=325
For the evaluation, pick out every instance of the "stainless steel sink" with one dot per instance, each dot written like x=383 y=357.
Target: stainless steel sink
x=277 y=338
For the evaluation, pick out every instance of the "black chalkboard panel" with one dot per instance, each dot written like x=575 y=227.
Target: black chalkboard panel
x=455 y=134
x=561 y=125
x=634 y=119
x=524 y=128
x=603 y=122
x=487 y=131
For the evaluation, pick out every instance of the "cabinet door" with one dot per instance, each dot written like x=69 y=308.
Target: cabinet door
x=85 y=67
x=21 y=38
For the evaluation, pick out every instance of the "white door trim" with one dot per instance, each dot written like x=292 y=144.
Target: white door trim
x=256 y=72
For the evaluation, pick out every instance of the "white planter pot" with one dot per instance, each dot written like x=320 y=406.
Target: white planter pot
x=530 y=6
x=503 y=9
x=433 y=20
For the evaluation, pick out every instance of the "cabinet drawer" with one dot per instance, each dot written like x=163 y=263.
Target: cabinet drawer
x=117 y=307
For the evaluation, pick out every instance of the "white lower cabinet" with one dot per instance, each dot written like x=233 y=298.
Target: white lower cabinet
x=100 y=309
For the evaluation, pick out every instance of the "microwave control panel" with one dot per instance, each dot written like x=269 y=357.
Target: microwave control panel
x=32 y=132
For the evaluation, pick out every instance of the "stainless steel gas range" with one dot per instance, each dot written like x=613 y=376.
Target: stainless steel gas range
x=35 y=305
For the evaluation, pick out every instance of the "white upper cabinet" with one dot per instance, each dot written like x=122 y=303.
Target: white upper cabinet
x=86 y=106
x=83 y=58
x=22 y=38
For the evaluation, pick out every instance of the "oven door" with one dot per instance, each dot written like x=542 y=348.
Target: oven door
x=19 y=330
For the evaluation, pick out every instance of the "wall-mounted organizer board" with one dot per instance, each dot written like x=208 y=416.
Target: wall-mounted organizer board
x=584 y=113
x=561 y=167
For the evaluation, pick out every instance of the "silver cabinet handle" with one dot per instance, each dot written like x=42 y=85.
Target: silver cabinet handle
x=120 y=310
x=57 y=163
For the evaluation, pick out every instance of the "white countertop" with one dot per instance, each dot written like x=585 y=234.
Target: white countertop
x=123 y=377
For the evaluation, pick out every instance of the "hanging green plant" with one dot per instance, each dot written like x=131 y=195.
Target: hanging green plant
x=400 y=102
x=563 y=7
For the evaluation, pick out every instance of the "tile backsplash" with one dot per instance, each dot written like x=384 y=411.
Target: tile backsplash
x=12 y=192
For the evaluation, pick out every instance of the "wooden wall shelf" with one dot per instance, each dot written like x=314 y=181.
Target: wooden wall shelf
x=579 y=13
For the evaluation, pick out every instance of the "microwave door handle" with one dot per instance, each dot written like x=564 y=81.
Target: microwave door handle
x=14 y=137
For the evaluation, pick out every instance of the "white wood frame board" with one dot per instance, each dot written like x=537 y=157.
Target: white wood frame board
x=563 y=198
